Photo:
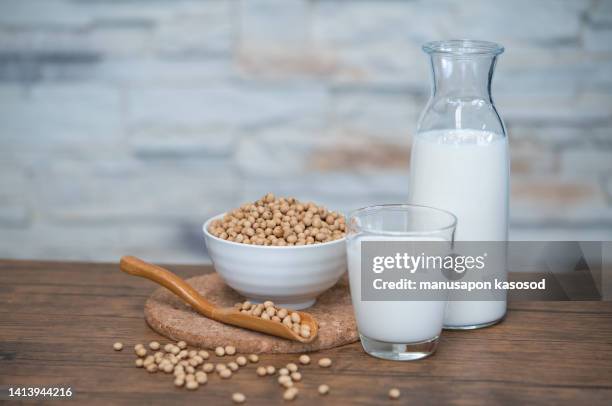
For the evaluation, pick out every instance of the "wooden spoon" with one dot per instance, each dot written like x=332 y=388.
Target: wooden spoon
x=228 y=315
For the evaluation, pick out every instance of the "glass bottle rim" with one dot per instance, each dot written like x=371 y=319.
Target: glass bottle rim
x=463 y=47
x=449 y=224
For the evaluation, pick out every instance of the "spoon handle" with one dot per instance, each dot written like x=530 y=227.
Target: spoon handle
x=137 y=267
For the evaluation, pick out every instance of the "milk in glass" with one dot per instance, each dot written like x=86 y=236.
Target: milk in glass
x=407 y=321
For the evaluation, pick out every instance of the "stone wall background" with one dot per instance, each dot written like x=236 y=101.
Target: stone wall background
x=125 y=124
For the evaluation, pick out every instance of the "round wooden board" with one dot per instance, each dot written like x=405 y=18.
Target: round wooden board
x=169 y=316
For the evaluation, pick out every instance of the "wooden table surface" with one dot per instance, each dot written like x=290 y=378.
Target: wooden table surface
x=59 y=320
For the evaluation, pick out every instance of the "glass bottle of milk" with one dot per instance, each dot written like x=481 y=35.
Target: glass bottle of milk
x=460 y=159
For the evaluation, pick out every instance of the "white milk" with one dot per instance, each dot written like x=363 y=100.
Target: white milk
x=467 y=173
x=401 y=322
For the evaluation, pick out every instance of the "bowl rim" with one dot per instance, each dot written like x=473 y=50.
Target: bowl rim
x=263 y=247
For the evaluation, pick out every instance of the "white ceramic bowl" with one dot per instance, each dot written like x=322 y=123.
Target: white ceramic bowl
x=291 y=276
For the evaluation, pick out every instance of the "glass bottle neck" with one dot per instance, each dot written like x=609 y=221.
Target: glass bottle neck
x=463 y=78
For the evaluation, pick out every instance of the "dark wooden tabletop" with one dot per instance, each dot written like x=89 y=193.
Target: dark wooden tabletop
x=59 y=320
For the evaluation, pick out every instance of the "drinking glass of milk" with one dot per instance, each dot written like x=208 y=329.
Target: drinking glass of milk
x=393 y=329
x=460 y=159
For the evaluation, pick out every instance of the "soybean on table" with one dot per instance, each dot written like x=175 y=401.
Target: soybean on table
x=59 y=320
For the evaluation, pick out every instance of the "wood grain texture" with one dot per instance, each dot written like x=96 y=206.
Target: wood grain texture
x=58 y=322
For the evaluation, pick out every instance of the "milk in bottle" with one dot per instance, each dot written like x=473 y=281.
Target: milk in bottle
x=460 y=159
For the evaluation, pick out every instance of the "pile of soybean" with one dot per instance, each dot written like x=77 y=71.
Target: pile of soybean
x=283 y=221
x=190 y=367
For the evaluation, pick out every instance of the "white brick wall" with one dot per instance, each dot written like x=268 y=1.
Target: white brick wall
x=52 y=121
x=124 y=124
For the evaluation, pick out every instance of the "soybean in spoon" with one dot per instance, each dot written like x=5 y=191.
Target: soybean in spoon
x=228 y=315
